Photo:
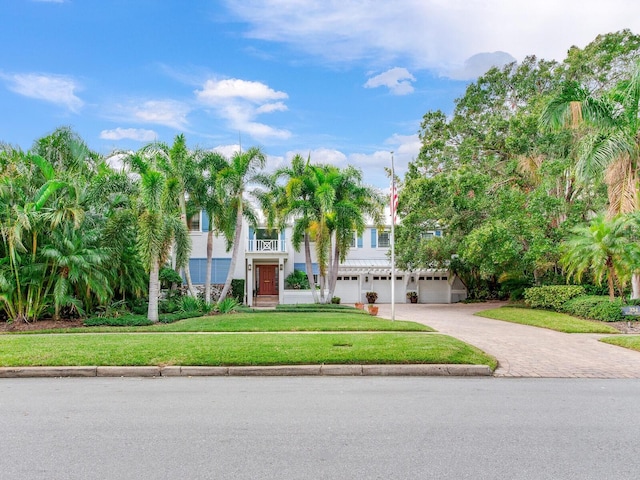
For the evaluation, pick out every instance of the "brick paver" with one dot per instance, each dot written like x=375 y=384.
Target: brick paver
x=521 y=350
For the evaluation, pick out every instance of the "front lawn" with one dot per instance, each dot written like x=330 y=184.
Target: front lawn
x=632 y=341
x=210 y=349
x=326 y=321
x=546 y=319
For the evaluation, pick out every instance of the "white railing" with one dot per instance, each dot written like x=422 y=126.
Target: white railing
x=265 y=246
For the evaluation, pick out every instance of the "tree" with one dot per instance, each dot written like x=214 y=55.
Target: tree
x=600 y=249
x=159 y=228
x=243 y=169
x=609 y=147
x=209 y=197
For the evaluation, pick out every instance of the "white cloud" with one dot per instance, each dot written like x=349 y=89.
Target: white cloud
x=139 y=134
x=397 y=79
x=240 y=102
x=57 y=89
x=433 y=34
x=170 y=113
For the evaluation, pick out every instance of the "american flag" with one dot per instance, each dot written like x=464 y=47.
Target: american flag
x=394 y=202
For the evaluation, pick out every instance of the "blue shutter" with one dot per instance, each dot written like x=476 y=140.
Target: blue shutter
x=360 y=241
x=251 y=231
x=374 y=238
x=205 y=221
x=282 y=245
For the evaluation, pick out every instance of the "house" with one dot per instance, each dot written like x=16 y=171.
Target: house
x=267 y=257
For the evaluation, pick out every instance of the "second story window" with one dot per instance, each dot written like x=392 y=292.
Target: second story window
x=384 y=239
x=194 y=222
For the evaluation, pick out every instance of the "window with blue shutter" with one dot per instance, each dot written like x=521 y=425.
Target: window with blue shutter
x=374 y=238
x=205 y=221
x=360 y=241
x=251 y=239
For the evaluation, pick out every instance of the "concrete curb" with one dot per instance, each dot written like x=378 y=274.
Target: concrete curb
x=251 y=371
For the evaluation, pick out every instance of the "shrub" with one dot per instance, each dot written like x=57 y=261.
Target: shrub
x=371 y=297
x=189 y=304
x=124 y=321
x=297 y=280
x=335 y=300
x=169 y=276
x=227 y=305
x=594 y=307
x=551 y=297
x=237 y=289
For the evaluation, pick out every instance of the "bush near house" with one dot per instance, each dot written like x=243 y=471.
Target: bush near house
x=237 y=289
x=551 y=297
x=596 y=307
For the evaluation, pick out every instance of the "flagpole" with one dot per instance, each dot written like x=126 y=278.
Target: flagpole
x=393 y=241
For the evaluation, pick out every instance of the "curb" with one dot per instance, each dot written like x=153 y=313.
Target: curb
x=416 y=370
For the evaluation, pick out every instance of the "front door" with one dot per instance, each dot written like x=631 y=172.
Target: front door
x=267 y=279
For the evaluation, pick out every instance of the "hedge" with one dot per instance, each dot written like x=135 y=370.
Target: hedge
x=551 y=297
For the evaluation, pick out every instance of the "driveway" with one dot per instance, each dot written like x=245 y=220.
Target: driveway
x=521 y=350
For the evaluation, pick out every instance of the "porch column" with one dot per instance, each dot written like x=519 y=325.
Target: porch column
x=249 y=282
x=280 y=280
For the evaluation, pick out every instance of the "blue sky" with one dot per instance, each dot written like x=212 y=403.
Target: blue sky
x=344 y=81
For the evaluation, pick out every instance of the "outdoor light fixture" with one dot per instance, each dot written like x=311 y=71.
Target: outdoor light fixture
x=249 y=267
x=281 y=267
x=413 y=279
x=366 y=279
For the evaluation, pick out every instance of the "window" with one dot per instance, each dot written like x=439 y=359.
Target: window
x=194 y=223
x=384 y=239
x=353 y=240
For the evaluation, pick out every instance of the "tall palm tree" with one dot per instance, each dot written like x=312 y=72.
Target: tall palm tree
x=159 y=227
x=609 y=148
x=294 y=204
x=243 y=169
x=355 y=203
x=210 y=198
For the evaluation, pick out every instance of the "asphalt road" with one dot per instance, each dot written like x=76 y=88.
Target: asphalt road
x=319 y=428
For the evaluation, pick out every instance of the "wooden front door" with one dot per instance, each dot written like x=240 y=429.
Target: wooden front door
x=267 y=280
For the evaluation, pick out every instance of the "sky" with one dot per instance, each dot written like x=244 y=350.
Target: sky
x=344 y=82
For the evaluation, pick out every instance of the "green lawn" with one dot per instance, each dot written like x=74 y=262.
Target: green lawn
x=546 y=319
x=628 y=341
x=236 y=349
x=270 y=322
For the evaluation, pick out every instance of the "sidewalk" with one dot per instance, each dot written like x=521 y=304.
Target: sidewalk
x=521 y=350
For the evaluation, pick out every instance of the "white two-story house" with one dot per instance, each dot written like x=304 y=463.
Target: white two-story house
x=267 y=257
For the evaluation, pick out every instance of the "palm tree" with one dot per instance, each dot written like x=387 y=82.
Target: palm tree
x=354 y=204
x=210 y=198
x=242 y=170
x=609 y=145
x=294 y=203
x=159 y=227
x=601 y=249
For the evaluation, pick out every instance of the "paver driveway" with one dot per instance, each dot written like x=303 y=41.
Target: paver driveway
x=521 y=350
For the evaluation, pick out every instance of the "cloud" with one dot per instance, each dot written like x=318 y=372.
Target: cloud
x=170 y=113
x=431 y=34
x=478 y=64
x=138 y=134
x=240 y=102
x=56 y=89
x=397 y=79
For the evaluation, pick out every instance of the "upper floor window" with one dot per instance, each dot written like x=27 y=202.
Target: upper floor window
x=194 y=222
x=384 y=239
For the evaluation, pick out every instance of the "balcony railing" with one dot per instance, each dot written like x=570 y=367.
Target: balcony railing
x=266 y=246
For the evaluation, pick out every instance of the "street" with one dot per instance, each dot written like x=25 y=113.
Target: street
x=318 y=428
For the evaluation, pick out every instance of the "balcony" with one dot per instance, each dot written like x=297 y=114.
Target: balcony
x=266 y=246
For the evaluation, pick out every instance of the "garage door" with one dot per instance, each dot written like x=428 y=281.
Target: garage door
x=347 y=289
x=433 y=289
x=382 y=286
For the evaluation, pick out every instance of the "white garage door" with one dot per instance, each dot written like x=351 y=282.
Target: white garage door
x=433 y=289
x=347 y=289
x=382 y=286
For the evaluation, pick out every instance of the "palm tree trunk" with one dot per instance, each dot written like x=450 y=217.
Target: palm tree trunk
x=154 y=291
x=635 y=285
x=187 y=272
x=207 y=275
x=309 y=267
x=236 y=246
x=610 y=281
x=333 y=272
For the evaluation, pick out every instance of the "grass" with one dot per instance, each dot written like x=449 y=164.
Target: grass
x=237 y=349
x=543 y=318
x=330 y=321
x=628 y=341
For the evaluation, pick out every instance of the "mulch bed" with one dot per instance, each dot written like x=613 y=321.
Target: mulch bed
x=39 y=325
